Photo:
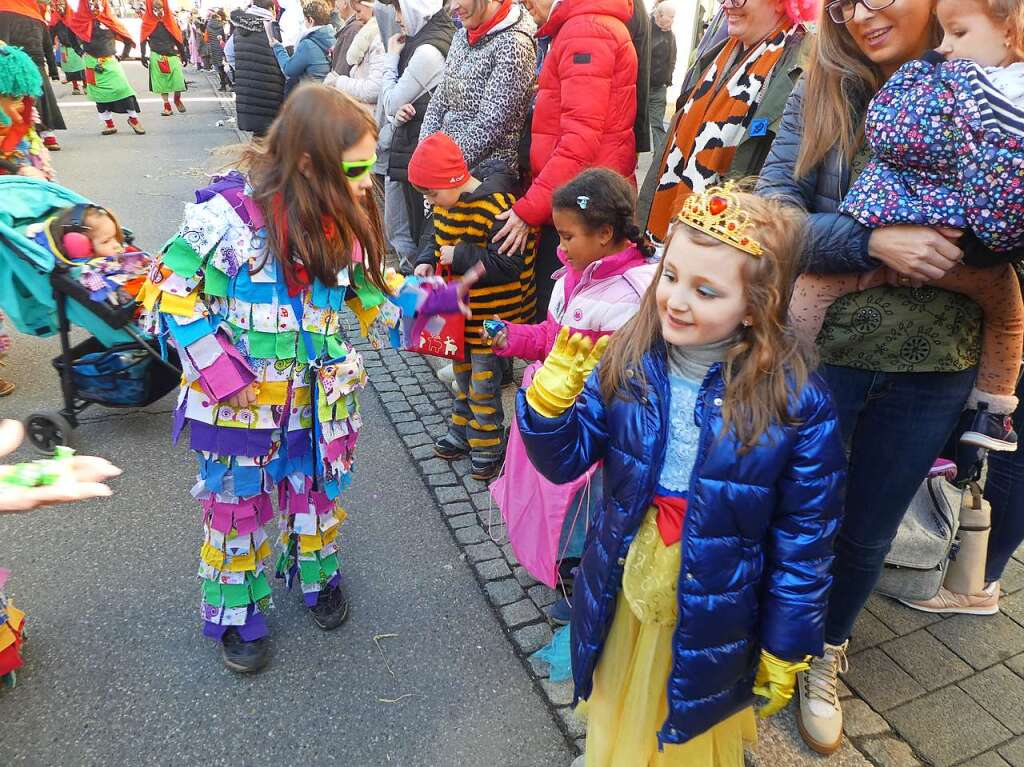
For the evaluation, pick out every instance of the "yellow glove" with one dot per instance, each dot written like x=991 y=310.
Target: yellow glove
x=776 y=681
x=560 y=380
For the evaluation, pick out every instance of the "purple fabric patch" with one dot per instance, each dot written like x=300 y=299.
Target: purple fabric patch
x=299 y=443
x=255 y=627
x=229 y=373
x=252 y=443
x=178 y=422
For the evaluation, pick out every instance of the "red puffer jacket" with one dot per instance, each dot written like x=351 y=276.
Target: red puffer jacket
x=586 y=100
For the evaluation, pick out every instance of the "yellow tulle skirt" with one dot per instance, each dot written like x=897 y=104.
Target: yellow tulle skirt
x=628 y=705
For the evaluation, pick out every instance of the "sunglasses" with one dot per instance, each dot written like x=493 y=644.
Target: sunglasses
x=843 y=11
x=358 y=169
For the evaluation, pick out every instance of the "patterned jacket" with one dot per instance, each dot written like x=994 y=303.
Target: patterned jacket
x=949 y=151
x=485 y=94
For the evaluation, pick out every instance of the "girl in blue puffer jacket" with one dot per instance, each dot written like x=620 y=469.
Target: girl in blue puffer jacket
x=705 y=576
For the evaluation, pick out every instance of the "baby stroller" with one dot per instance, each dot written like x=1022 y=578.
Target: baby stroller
x=117 y=366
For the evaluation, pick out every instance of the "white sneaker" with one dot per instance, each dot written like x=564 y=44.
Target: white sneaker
x=821 y=716
x=946 y=602
x=447 y=375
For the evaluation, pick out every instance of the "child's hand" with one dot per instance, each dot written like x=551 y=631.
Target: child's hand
x=469 y=279
x=500 y=339
x=560 y=379
x=776 y=681
x=447 y=254
x=424 y=270
x=245 y=398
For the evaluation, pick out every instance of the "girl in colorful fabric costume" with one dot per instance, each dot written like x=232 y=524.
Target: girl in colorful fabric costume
x=251 y=292
x=705 y=578
x=105 y=82
x=161 y=33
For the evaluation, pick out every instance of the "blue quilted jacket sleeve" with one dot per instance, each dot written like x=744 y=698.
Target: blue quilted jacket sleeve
x=835 y=244
x=563 y=448
x=798 y=553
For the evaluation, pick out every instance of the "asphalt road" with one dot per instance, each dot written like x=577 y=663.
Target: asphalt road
x=116 y=671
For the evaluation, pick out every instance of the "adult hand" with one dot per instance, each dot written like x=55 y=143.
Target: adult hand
x=515 y=232
x=916 y=252
x=396 y=43
x=244 y=398
x=331 y=78
x=405 y=113
x=424 y=270
x=83 y=479
x=447 y=254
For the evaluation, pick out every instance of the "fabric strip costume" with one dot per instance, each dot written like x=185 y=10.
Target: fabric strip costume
x=224 y=300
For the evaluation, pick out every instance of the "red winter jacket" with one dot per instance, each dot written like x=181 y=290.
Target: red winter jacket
x=586 y=100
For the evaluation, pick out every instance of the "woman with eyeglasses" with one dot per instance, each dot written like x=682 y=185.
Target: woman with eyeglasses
x=251 y=293
x=729 y=108
x=901 y=361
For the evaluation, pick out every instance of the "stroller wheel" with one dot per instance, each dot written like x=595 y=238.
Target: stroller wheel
x=48 y=430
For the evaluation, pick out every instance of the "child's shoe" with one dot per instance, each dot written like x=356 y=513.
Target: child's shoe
x=946 y=602
x=51 y=143
x=820 y=718
x=244 y=657
x=136 y=125
x=109 y=128
x=486 y=469
x=166 y=111
x=75 y=90
x=560 y=613
x=447 y=450
x=331 y=608
x=991 y=431
x=180 y=105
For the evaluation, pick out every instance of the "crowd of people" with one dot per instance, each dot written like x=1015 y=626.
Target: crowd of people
x=743 y=366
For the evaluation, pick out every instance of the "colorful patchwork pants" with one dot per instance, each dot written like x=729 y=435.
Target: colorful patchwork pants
x=478 y=418
x=236 y=548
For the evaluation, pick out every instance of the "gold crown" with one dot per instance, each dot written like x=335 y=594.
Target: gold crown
x=717 y=212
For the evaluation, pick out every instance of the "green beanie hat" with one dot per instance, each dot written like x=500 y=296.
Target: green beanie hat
x=19 y=75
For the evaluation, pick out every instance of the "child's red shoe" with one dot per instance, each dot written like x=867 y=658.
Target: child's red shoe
x=50 y=142
x=136 y=126
x=166 y=110
x=109 y=128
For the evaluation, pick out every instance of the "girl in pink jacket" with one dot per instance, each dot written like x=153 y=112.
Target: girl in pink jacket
x=607 y=269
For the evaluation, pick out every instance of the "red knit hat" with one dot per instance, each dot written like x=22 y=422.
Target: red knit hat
x=438 y=163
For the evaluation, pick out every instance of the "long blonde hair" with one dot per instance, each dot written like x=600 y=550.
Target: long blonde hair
x=767 y=365
x=840 y=81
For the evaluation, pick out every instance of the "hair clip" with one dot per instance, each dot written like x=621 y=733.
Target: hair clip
x=583 y=201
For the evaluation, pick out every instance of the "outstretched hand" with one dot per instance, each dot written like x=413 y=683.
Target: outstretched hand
x=560 y=379
x=83 y=479
x=469 y=279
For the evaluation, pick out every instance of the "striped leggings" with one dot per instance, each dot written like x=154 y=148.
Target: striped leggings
x=478 y=419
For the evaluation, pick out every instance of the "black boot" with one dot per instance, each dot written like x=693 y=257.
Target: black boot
x=244 y=657
x=331 y=608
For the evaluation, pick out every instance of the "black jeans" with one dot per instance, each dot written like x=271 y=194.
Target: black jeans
x=894 y=426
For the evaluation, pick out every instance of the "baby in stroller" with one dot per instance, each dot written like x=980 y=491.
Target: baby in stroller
x=89 y=240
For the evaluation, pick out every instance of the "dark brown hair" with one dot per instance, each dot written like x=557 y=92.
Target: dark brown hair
x=767 y=364
x=313 y=217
